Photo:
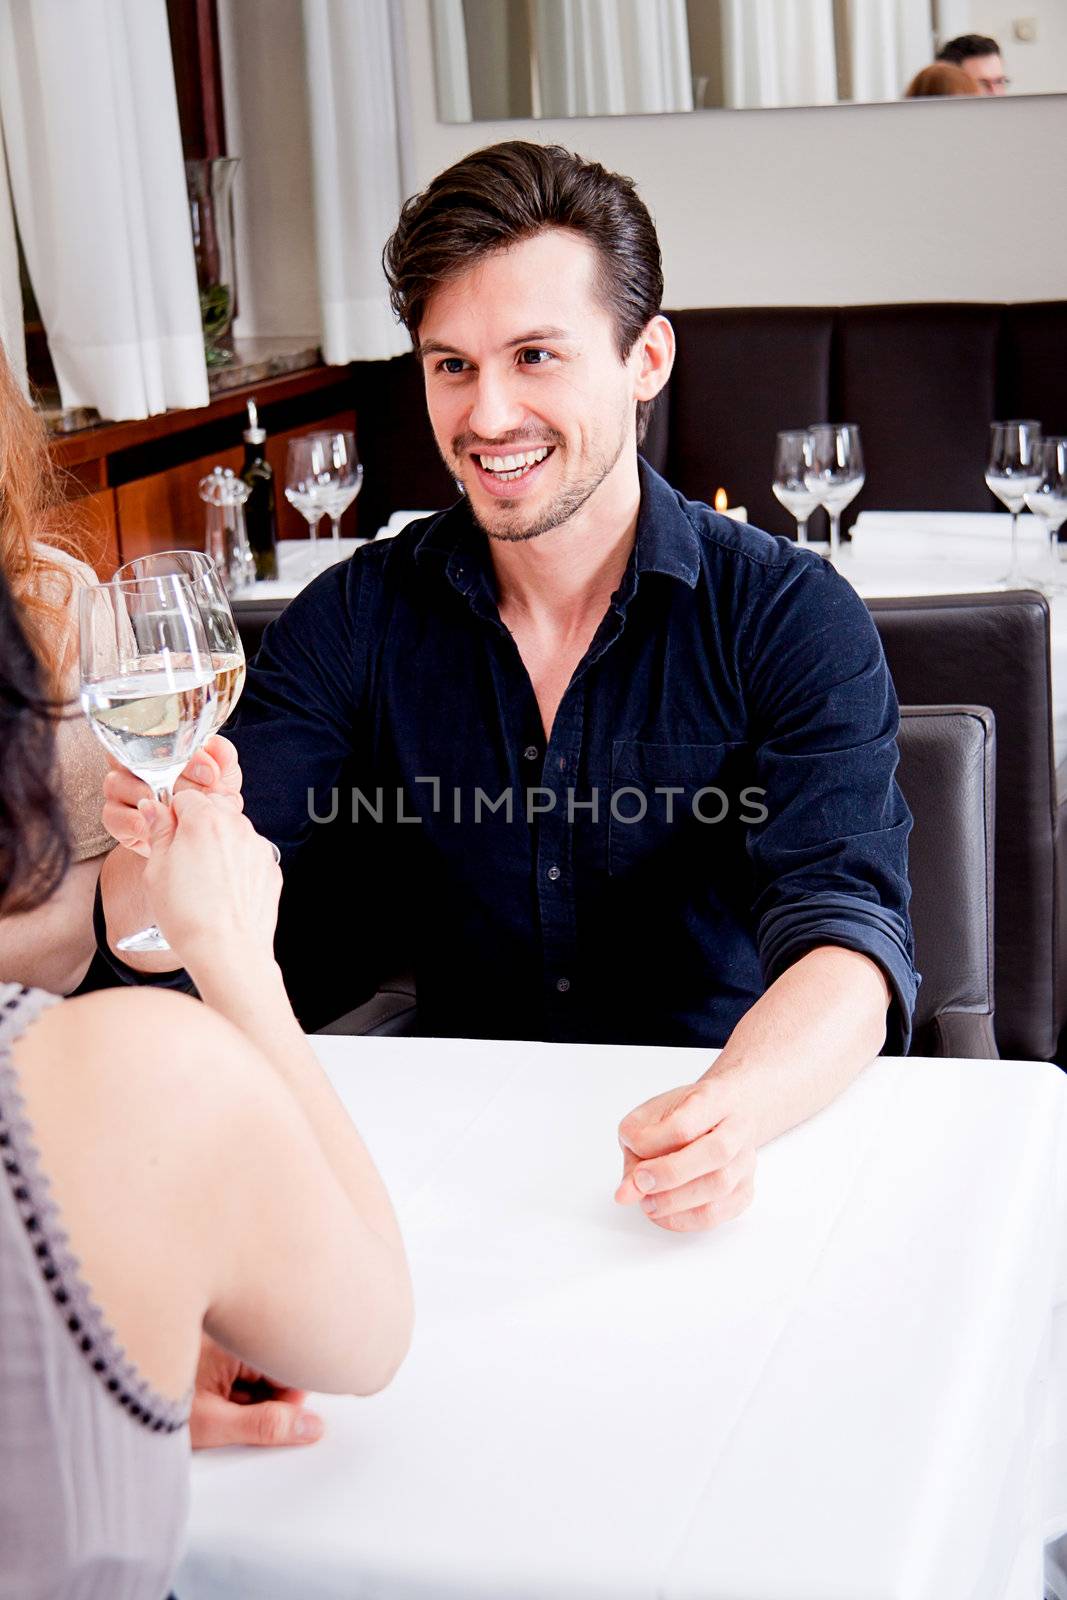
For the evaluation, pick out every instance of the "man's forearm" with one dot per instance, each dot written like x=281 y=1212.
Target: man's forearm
x=126 y=910
x=806 y=1038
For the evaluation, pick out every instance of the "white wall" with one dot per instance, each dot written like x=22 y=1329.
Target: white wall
x=836 y=205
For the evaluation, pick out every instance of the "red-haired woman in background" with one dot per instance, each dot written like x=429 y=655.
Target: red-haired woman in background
x=939 y=79
x=52 y=945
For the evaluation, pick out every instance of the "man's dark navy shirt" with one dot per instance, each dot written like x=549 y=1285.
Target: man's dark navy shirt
x=733 y=672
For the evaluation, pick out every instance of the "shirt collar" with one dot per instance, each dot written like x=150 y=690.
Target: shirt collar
x=666 y=540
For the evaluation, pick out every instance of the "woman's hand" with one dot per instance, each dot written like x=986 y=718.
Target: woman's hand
x=213 y=770
x=211 y=879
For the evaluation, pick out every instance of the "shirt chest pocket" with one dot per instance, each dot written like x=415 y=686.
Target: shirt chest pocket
x=669 y=801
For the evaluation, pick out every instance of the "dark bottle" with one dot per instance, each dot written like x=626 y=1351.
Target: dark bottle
x=259 y=507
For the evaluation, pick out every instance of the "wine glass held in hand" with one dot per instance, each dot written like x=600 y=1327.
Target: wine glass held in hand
x=223 y=638
x=308 y=478
x=345 y=477
x=836 y=475
x=1049 y=502
x=1012 y=473
x=148 y=684
x=792 y=461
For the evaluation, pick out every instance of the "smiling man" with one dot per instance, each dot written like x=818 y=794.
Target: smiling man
x=626 y=767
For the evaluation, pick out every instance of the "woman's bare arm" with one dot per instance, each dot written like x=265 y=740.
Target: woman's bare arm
x=195 y=1195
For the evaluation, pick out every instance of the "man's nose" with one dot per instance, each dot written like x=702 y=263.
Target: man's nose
x=497 y=409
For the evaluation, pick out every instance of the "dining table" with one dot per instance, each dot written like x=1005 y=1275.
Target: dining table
x=856 y=1390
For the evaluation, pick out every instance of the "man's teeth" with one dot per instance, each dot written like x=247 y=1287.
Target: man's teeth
x=513 y=466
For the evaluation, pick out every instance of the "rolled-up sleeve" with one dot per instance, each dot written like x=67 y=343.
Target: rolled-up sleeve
x=831 y=858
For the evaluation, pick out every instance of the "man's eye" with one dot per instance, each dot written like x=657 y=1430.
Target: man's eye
x=451 y=364
x=535 y=358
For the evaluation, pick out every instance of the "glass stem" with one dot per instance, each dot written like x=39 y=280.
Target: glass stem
x=802 y=530
x=835 y=534
x=1013 y=566
x=336 y=529
x=164 y=794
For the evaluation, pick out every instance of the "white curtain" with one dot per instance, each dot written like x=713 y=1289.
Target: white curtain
x=12 y=328
x=779 y=53
x=604 y=57
x=888 y=42
x=450 y=60
x=90 y=117
x=360 y=138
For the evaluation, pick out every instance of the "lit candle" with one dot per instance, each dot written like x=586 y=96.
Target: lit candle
x=739 y=513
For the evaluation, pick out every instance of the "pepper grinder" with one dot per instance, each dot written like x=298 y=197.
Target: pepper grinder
x=225 y=538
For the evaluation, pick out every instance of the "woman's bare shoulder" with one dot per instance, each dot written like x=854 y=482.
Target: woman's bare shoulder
x=158 y=1043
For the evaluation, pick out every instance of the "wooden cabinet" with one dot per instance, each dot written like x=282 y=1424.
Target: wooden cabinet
x=133 y=486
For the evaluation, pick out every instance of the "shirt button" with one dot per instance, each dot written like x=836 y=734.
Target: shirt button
x=553 y=874
x=562 y=985
x=530 y=753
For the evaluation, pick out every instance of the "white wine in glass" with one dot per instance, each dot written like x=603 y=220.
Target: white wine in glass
x=147 y=685
x=223 y=638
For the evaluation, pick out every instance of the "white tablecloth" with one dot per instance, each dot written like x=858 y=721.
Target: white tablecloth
x=298 y=562
x=955 y=552
x=857 y=1391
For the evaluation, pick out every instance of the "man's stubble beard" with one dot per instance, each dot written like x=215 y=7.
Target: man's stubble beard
x=569 y=501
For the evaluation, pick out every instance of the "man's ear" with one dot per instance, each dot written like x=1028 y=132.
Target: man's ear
x=655 y=352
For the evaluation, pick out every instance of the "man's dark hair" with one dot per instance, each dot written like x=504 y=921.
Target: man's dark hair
x=499 y=196
x=34 y=847
x=967 y=46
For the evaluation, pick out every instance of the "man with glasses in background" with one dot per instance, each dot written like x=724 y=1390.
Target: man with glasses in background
x=979 y=58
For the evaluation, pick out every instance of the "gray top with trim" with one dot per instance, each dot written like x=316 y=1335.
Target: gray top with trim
x=94 y=1464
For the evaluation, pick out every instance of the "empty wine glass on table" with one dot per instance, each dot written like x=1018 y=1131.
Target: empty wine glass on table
x=792 y=462
x=147 y=685
x=308 y=469
x=1049 y=502
x=223 y=638
x=1012 y=473
x=836 y=475
x=345 y=479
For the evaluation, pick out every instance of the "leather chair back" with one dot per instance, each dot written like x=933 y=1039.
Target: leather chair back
x=946 y=775
x=993 y=650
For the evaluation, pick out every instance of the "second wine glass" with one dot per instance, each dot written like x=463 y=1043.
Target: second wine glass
x=1049 y=502
x=1012 y=473
x=307 y=483
x=836 y=475
x=792 y=463
x=223 y=638
x=341 y=480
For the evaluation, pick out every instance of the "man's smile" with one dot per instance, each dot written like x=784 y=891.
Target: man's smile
x=507 y=475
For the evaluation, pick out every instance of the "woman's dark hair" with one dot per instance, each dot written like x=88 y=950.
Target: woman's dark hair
x=503 y=194
x=967 y=45
x=34 y=846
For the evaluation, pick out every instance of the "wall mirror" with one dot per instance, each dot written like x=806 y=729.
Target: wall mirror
x=498 y=59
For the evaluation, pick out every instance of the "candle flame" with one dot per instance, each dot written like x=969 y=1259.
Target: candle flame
x=721 y=501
